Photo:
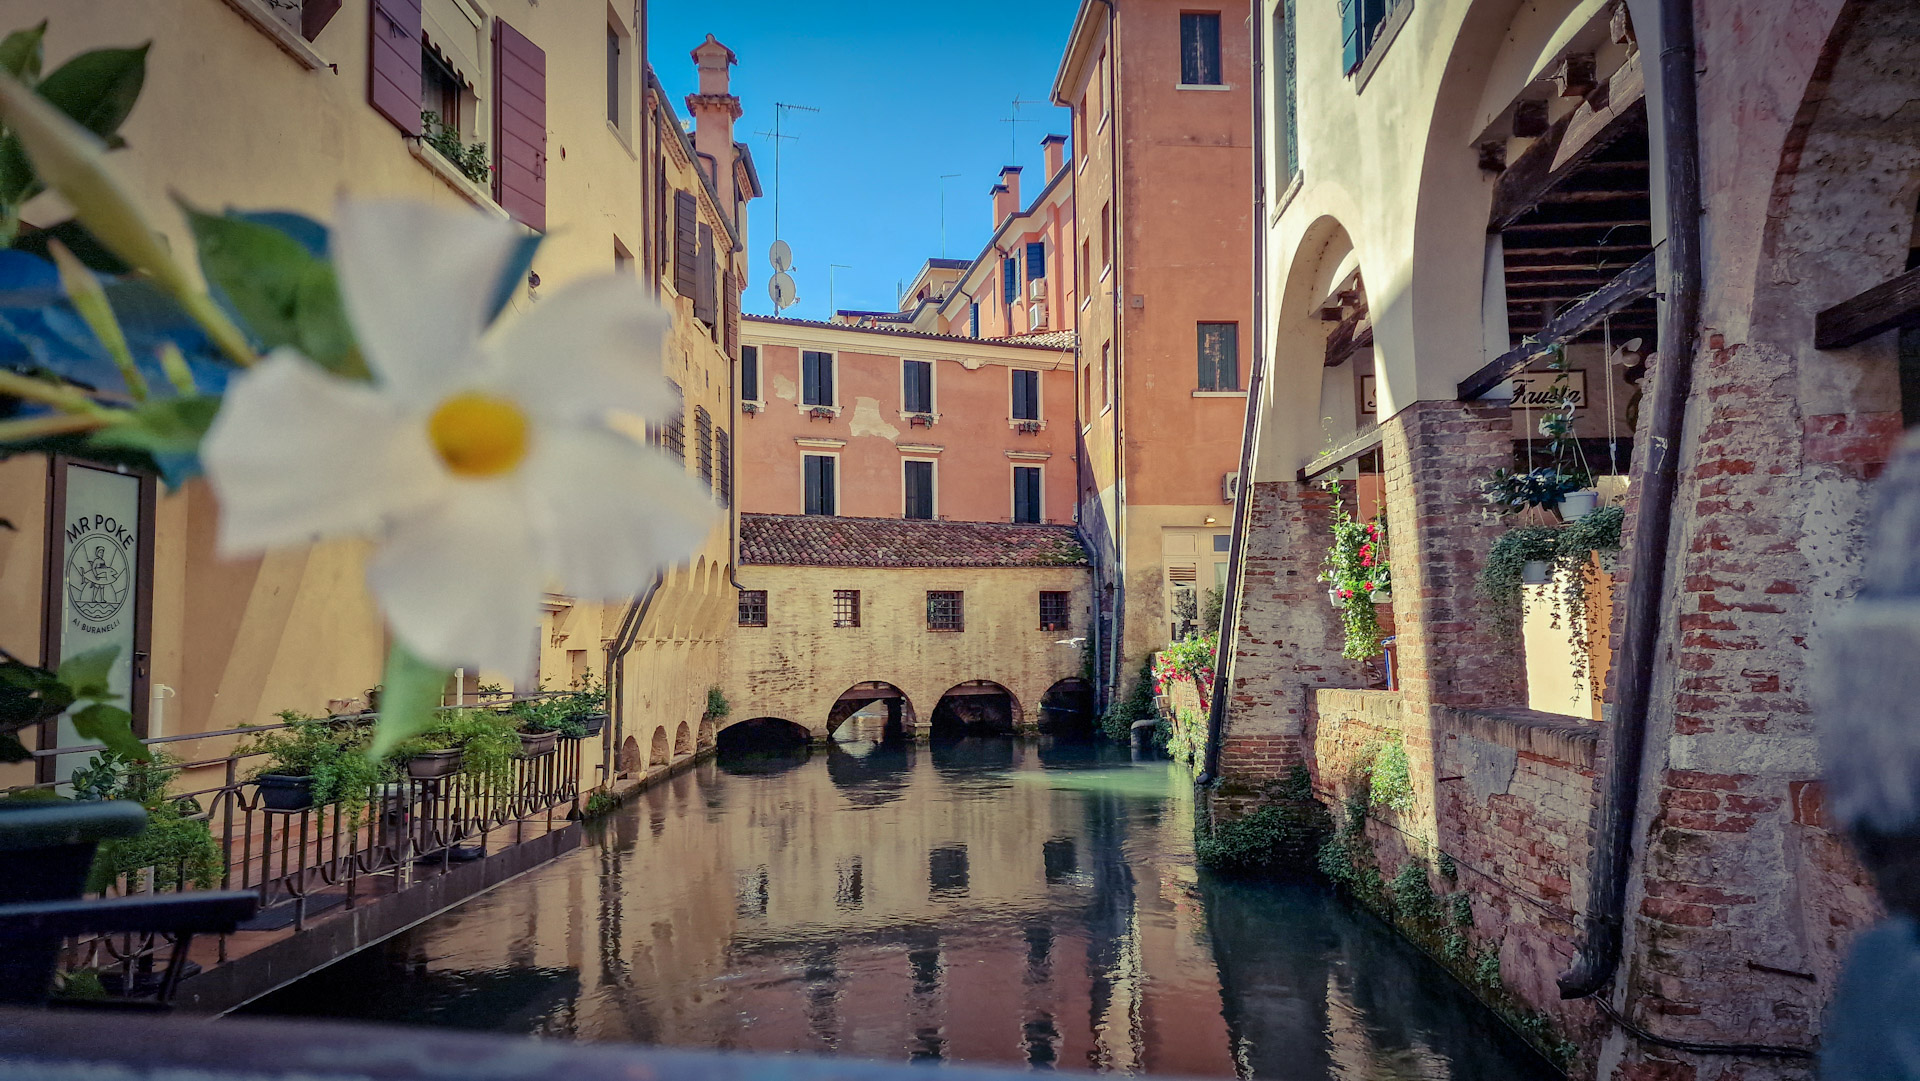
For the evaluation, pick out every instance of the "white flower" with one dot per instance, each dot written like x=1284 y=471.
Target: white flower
x=484 y=468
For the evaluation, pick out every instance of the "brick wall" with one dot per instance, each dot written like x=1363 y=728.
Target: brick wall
x=1507 y=794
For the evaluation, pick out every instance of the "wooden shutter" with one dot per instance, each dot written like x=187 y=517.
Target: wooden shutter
x=704 y=286
x=1036 y=260
x=723 y=465
x=1026 y=395
x=1289 y=86
x=686 y=244
x=749 y=373
x=919 y=484
x=393 y=62
x=730 y=303
x=519 y=126
x=1350 y=46
x=1010 y=282
x=315 y=15
x=819 y=484
x=1026 y=494
x=662 y=244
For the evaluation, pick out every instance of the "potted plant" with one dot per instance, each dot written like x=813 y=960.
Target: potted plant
x=479 y=741
x=589 y=704
x=1521 y=556
x=541 y=724
x=312 y=761
x=177 y=844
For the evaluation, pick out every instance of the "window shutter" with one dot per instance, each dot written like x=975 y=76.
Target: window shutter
x=819 y=484
x=703 y=444
x=919 y=387
x=723 y=465
x=1026 y=395
x=703 y=306
x=1010 y=280
x=315 y=15
x=662 y=244
x=730 y=302
x=973 y=321
x=686 y=240
x=1350 y=52
x=393 y=62
x=1036 y=260
x=1026 y=494
x=1289 y=86
x=519 y=126
x=749 y=373
x=919 y=482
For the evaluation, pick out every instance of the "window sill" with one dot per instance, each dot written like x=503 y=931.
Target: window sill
x=283 y=35
x=1382 y=41
x=626 y=143
x=1202 y=86
x=454 y=178
x=1016 y=422
x=1286 y=197
x=1219 y=393
x=1106 y=272
x=832 y=409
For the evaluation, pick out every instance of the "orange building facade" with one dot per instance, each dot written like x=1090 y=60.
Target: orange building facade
x=863 y=422
x=1163 y=240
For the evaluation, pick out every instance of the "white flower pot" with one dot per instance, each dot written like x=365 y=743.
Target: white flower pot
x=1382 y=596
x=1536 y=572
x=1577 y=505
x=1333 y=597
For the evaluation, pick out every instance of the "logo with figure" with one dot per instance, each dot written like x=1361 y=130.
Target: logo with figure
x=97 y=580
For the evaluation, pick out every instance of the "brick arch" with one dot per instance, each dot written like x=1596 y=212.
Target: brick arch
x=955 y=704
x=846 y=704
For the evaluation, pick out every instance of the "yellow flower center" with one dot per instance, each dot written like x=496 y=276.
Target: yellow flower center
x=478 y=435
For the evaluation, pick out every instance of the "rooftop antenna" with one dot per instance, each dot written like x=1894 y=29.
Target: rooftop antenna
x=780 y=287
x=944 y=177
x=1013 y=121
x=831 y=267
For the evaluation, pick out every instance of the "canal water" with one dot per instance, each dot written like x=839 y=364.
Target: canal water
x=985 y=900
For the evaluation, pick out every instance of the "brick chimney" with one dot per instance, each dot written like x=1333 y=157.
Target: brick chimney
x=1002 y=204
x=1010 y=179
x=714 y=109
x=1054 y=149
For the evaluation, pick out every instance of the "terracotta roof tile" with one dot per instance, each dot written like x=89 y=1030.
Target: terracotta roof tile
x=814 y=540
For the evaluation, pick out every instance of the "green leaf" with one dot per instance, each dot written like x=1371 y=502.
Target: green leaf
x=284 y=294
x=166 y=426
x=85 y=674
x=20 y=53
x=11 y=749
x=83 y=244
x=112 y=726
x=411 y=692
x=97 y=89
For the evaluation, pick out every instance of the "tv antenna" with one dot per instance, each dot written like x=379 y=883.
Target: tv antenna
x=944 y=177
x=1013 y=121
x=784 y=295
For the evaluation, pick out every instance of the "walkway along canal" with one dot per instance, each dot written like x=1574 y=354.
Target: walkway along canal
x=984 y=900
x=987 y=901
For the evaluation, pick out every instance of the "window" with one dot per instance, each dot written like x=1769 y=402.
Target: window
x=723 y=466
x=946 y=610
x=1219 y=350
x=1360 y=29
x=973 y=320
x=1026 y=394
x=1010 y=279
x=1086 y=269
x=749 y=373
x=1106 y=372
x=1036 y=260
x=822 y=487
x=703 y=445
x=753 y=608
x=1026 y=493
x=816 y=378
x=673 y=434
x=916 y=386
x=1200 y=49
x=1106 y=104
x=1286 y=88
x=1106 y=238
x=846 y=608
x=1053 y=611
x=622 y=258
x=917 y=483
x=440 y=92
x=613 y=77
x=1222 y=542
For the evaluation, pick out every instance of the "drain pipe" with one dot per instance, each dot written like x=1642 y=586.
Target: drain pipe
x=1118 y=647
x=1599 y=955
x=1230 y=603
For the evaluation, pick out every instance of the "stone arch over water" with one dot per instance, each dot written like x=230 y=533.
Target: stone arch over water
x=657 y=755
x=900 y=715
x=976 y=707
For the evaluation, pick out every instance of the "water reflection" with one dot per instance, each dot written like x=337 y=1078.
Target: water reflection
x=979 y=899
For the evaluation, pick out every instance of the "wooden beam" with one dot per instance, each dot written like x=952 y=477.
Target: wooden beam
x=1609 y=112
x=1367 y=439
x=1631 y=285
x=1891 y=305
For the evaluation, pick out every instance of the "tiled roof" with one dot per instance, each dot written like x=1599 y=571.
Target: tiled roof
x=1058 y=339
x=813 y=540
x=773 y=320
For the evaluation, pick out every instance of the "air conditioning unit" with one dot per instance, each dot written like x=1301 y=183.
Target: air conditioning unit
x=1037 y=289
x=1229 y=487
x=1037 y=314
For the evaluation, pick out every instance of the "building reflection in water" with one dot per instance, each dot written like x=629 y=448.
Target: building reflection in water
x=983 y=900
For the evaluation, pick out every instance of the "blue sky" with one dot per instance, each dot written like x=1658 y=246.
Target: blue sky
x=906 y=92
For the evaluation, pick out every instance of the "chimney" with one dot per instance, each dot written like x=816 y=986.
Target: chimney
x=714 y=109
x=1002 y=204
x=1054 y=149
x=1010 y=178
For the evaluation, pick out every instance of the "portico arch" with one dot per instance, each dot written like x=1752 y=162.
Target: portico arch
x=976 y=707
x=900 y=715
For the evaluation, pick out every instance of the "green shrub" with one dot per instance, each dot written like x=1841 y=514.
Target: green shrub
x=1454 y=948
x=1487 y=969
x=1335 y=860
x=333 y=753
x=1117 y=722
x=1412 y=892
x=717 y=706
x=1274 y=838
x=180 y=848
x=1448 y=869
x=1389 y=778
x=487 y=740
x=1298 y=784
x=1462 y=910
x=599 y=803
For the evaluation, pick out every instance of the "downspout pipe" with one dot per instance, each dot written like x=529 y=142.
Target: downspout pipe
x=1634 y=664
x=1118 y=647
x=1230 y=606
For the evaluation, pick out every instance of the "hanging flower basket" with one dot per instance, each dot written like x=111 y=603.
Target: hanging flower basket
x=1578 y=504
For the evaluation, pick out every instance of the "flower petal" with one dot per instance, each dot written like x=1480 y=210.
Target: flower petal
x=418 y=281
x=592 y=346
x=610 y=513
x=460 y=584
x=296 y=454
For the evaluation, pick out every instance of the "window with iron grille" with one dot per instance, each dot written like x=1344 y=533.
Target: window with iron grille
x=673 y=435
x=749 y=373
x=723 y=466
x=753 y=608
x=1200 y=49
x=703 y=444
x=946 y=610
x=1053 y=611
x=1026 y=394
x=846 y=608
x=816 y=378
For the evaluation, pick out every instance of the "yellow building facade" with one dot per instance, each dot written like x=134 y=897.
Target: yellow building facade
x=261 y=106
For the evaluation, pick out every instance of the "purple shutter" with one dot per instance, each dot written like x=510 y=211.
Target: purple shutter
x=519 y=126
x=315 y=15
x=393 y=62
x=686 y=244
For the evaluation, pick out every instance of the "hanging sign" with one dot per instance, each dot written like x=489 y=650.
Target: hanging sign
x=1541 y=390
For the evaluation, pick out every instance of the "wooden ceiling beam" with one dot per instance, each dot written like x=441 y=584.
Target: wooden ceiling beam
x=1632 y=284
x=1611 y=111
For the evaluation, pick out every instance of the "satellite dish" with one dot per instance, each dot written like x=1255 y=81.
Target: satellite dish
x=780 y=288
x=780 y=256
